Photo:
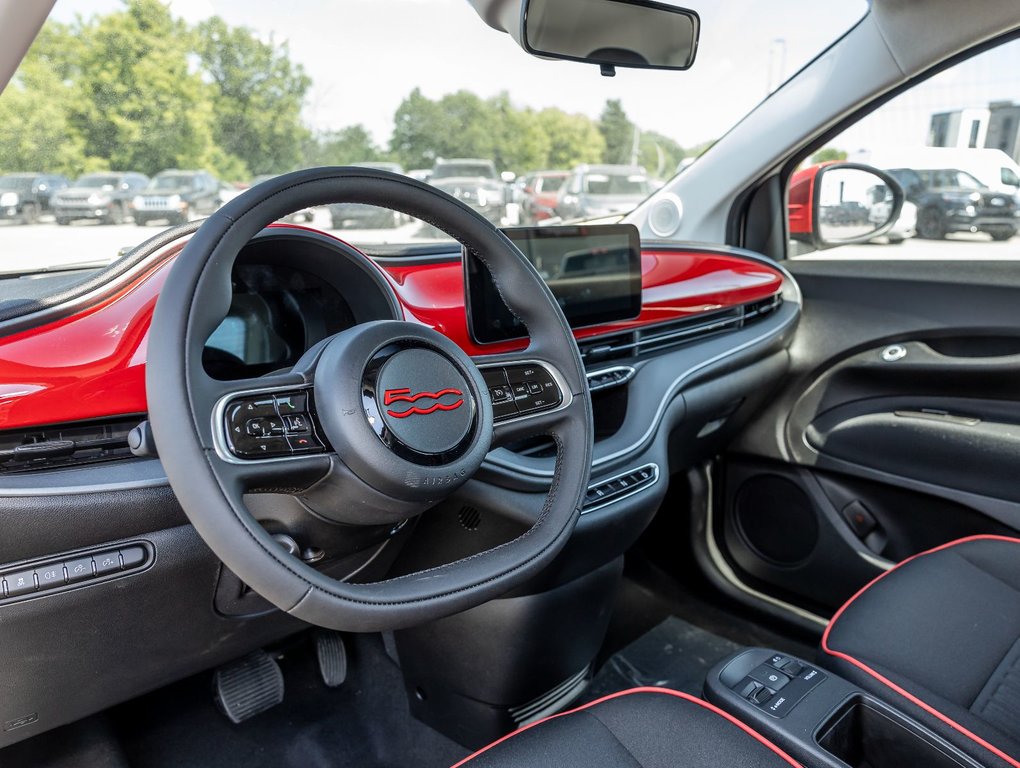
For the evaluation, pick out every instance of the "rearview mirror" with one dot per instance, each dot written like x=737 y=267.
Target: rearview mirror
x=842 y=203
x=611 y=33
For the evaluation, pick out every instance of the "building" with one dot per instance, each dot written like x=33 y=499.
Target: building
x=994 y=127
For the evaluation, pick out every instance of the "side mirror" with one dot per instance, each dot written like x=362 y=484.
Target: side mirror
x=842 y=203
x=508 y=177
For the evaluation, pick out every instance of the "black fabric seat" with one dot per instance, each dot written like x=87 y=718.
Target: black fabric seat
x=641 y=728
x=939 y=637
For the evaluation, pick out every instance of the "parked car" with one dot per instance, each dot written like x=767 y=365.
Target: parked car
x=360 y=216
x=992 y=167
x=23 y=196
x=540 y=190
x=602 y=190
x=304 y=216
x=950 y=200
x=474 y=182
x=176 y=196
x=101 y=196
x=905 y=226
x=421 y=174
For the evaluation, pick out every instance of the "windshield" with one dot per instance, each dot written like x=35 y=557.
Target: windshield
x=245 y=89
x=171 y=182
x=616 y=184
x=96 y=181
x=19 y=183
x=461 y=170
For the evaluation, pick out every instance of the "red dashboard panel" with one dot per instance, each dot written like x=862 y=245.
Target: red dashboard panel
x=92 y=364
x=674 y=285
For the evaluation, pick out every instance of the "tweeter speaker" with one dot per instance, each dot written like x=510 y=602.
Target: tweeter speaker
x=776 y=519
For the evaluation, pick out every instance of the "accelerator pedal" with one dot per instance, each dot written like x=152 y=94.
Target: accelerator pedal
x=248 y=686
x=332 y=656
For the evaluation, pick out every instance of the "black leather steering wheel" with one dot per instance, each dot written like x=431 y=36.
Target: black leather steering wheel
x=405 y=413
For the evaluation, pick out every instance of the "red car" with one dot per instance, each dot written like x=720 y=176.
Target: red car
x=540 y=193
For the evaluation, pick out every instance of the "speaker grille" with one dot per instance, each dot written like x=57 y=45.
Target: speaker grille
x=469 y=518
x=776 y=519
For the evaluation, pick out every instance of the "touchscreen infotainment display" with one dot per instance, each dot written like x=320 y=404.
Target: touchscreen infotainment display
x=594 y=271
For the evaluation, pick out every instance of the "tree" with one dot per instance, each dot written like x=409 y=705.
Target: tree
x=573 y=139
x=416 y=122
x=828 y=154
x=137 y=102
x=352 y=144
x=39 y=136
x=258 y=97
x=618 y=132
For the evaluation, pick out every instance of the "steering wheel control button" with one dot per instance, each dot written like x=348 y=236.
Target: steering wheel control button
x=20 y=583
x=521 y=389
x=424 y=402
x=265 y=426
x=296 y=423
x=79 y=569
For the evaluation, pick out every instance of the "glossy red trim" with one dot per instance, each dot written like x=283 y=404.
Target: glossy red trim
x=667 y=691
x=92 y=364
x=89 y=365
x=899 y=689
x=675 y=284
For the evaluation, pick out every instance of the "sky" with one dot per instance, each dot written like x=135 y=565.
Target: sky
x=365 y=56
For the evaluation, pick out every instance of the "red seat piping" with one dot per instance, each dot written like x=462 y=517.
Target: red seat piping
x=899 y=689
x=678 y=694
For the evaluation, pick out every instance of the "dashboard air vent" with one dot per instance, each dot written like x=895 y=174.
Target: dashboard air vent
x=664 y=336
x=68 y=445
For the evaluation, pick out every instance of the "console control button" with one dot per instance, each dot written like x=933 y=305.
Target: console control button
x=107 y=562
x=501 y=394
x=747 y=688
x=792 y=668
x=762 y=696
x=51 y=576
x=770 y=677
x=292 y=402
x=79 y=569
x=20 y=583
x=132 y=557
x=265 y=426
x=296 y=423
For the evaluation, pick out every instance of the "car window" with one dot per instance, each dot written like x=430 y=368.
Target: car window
x=140 y=86
x=953 y=144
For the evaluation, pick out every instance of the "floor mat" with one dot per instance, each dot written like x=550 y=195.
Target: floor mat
x=674 y=654
x=365 y=723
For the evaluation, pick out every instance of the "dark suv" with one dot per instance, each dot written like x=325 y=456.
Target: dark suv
x=23 y=196
x=101 y=196
x=176 y=197
x=950 y=200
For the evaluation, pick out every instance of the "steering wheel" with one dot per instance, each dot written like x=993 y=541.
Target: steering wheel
x=400 y=416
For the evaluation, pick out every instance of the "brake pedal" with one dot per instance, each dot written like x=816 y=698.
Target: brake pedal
x=248 y=686
x=332 y=656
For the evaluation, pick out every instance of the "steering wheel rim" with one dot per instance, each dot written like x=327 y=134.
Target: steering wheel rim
x=181 y=396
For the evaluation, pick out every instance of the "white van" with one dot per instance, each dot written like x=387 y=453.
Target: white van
x=992 y=167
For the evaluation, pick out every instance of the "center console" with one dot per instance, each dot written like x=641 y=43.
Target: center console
x=821 y=719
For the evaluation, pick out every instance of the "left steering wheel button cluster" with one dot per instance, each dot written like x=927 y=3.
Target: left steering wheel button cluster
x=271 y=426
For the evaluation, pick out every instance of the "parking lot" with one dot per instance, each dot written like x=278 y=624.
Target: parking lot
x=45 y=245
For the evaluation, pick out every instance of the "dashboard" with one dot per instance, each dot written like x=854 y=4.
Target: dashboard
x=671 y=382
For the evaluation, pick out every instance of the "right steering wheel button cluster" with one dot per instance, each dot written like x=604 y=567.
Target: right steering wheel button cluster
x=271 y=425
x=517 y=390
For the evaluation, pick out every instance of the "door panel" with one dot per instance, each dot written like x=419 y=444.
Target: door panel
x=898 y=430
